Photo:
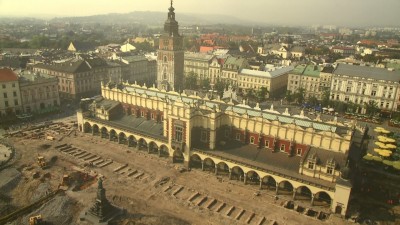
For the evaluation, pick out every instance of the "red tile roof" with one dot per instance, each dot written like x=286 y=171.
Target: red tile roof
x=7 y=75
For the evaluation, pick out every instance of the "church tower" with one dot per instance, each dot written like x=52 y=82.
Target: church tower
x=170 y=55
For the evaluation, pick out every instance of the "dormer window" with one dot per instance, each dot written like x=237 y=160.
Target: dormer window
x=330 y=166
x=252 y=139
x=311 y=165
x=311 y=162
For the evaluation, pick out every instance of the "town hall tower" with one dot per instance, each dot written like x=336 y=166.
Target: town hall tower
x=170 y=55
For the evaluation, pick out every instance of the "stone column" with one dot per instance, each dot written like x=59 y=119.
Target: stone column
x=119 y=139
x=261 y=183
x=202 y=165
x=244 y=178
x=137 y=146
x=216 y=169
x=230 y=174
x=109 y=137
x=159 y=152
x=212 y=139
x=294 y=194
x=277 y=188
x=92 y=131
x=148 y=149
x=312 y=199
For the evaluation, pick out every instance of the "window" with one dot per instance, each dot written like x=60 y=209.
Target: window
x=152 y=116
x=329 y=170
x=252 y=139
x=13 y=85
x=15 y=102
x=348 y=89
x=373 y=93
x=267 y=144
x=178 y=133
x=6 y=103
x=5 y=95
x=226 y=133
x=238 y=136
x=142 y=113
x=203 y=137
x=282 y=148
x=311 y=165
x=299 y=151
x=4 y=86
x=387 y=105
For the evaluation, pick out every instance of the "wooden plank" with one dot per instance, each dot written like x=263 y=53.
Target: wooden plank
x=195 y=195
x=248 y=220
x=240 y=214
x=220 y=207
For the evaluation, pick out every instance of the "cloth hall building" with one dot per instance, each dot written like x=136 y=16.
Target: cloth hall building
x=292 y=154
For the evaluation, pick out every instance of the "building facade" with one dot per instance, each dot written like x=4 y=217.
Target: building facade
x=79 y=77
x=39 y=92
x=275 y=80
x=306 y=77
x=139 y=69
x=290 y=153
x=170 y=61
x=198 y=64
x=10 y=97
x=230 y=69
x=362 y=84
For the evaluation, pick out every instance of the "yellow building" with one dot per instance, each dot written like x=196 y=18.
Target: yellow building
x=198 y=63
x=39 y=92
x=308 y=78
x=275 y=80
x=292 y=154
x=78 y=77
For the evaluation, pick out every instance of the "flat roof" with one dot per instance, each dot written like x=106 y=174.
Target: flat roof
x=367 y=72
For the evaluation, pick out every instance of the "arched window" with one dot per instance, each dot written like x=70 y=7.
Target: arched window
x=165 y=75
x=165 y=59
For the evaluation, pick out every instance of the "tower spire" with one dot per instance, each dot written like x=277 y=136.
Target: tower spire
x=172 y=2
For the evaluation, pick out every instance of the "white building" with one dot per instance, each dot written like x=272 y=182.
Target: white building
x=362 y=84
x=275 y=80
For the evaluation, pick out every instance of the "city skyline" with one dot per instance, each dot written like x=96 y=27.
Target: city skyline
x=291 y=12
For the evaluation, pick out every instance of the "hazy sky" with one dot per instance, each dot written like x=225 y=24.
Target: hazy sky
x=338 y=12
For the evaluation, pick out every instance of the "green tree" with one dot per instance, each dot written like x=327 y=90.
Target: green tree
x=144 y=46
x=299 y=96
x=220 y=86
x=39 y=42
x=313 y=101
x=371 y=107
x=205 y=84
x=191 y=80
x=250 y=95
x=325 y=97
x=261 y=94
x=289 y=97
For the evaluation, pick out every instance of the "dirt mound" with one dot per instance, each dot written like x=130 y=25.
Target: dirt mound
x=58 y=211
x=9 y=179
